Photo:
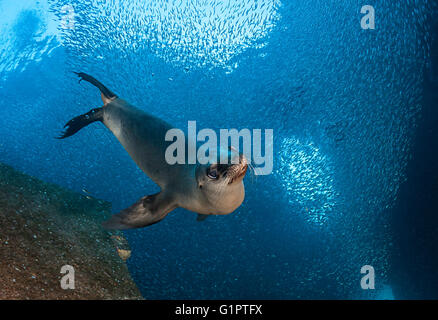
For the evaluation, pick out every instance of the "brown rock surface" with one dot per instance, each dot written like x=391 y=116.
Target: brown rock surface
x=44 y=227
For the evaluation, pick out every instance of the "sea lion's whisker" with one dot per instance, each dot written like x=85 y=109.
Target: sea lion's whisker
x=252 y=171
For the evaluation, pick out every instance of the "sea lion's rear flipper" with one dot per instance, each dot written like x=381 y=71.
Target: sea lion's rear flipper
x=77 y=123
x=201 y=217
x=145 y=212
x=107 y=94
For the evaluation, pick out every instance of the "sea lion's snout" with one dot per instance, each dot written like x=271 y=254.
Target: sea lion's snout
x=228 y=173
x=220 y=184
x=236 y=171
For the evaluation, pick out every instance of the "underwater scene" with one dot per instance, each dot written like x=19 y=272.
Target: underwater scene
x=116 y=116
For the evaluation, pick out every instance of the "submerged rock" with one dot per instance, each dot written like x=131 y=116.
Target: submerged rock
x=44 y=227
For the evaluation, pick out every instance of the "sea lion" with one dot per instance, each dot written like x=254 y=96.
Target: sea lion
x=213 y=188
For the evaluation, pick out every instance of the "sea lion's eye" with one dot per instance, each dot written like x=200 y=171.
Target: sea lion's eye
x=212 y=174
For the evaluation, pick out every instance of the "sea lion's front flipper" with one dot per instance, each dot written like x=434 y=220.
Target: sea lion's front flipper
x=146 y=211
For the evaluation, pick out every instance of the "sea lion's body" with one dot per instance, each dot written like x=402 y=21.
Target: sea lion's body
x=143 y=137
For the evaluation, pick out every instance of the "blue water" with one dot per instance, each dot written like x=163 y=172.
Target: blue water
x=345 y=104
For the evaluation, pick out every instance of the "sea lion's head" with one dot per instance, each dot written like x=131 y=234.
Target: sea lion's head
x=222 y=184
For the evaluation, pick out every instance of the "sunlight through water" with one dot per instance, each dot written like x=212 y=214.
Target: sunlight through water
x=20 y=45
